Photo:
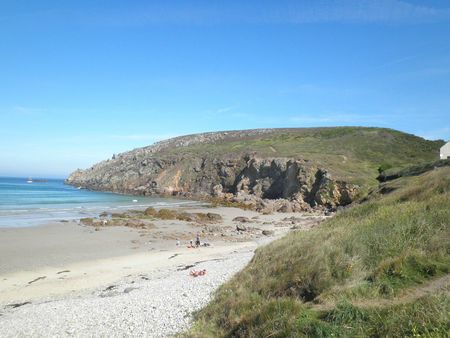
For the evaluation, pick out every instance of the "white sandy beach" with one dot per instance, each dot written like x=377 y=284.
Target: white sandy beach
x=75 y=281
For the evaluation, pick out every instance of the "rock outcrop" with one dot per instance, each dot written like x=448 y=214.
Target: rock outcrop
x=267 y=184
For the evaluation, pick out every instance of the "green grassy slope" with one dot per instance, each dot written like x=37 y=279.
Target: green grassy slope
x=353 y=154
x=377 y=269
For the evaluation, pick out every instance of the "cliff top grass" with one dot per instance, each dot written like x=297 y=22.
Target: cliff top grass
x=354 y=154
x=377 y=269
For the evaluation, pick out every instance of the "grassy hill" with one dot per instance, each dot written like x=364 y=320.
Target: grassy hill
x=353 y=154
x=193 y=165
x=378 y=269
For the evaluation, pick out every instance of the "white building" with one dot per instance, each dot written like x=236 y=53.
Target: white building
x=445 y=151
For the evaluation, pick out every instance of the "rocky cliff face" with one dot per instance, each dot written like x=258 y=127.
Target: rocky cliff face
x=286 y=185
x=271 y=183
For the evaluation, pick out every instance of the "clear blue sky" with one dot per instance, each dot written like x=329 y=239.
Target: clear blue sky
x=81 y=80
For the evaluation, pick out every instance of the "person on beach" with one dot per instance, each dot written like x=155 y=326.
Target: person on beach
x=196 y=273
x=178 y=242
x=206 y=242
x=197 y=240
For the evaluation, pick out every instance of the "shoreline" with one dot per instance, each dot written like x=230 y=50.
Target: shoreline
x=37 y=217
x=63 y=263
x=39 y=203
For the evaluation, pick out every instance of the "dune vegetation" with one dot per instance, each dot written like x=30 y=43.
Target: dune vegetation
x=379 y=268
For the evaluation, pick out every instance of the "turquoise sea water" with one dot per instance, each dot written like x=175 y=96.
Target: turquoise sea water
x=28 y=204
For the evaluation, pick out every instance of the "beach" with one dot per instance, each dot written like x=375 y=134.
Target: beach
x=66 y=278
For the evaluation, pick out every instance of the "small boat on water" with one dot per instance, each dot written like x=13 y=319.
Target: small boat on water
x=30 y=180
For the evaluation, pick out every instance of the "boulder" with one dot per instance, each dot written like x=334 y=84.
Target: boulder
x=150 y=211
x=217 y=191
x=241 y=219
x=241 y=227
x=213 y=217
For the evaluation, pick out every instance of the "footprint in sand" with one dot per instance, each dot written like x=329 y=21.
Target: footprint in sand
x=64 y=271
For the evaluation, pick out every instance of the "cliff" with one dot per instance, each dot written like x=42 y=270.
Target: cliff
x=270 y=169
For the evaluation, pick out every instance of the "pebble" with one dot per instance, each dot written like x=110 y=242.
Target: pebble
x=159 y=307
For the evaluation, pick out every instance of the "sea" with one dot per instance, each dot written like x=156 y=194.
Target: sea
x=24 y=203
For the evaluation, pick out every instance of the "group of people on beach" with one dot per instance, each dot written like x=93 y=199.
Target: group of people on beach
x=196 y=273
x=197 y=242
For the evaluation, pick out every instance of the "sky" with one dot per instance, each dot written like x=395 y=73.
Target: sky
x=82 y=80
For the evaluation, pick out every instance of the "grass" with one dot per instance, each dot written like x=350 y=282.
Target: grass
x=358 y=274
